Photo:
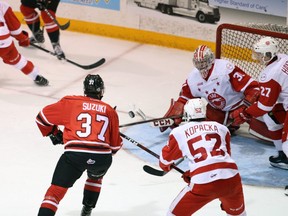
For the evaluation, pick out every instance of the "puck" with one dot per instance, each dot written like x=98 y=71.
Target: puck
x=131 y=114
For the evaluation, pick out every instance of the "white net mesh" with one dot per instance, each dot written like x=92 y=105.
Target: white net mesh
x=234 y=42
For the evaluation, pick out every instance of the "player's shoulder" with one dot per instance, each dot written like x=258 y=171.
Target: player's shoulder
x=221 y=64
x=216 y=124
x=223 y=61
x=73 y=97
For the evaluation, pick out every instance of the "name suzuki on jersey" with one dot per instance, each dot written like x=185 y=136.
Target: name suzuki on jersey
x=196 y=128
x=97 y=107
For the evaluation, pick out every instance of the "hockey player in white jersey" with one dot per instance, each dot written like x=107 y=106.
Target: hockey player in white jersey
x=10 y=27
x=212 y=173
x=225 y=87
x=273 y=100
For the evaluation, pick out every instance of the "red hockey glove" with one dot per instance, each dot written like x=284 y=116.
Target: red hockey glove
x=176 y=108
x=251 y=97
x=165 y=167
x=239 y=116
x=23 y=39
x=186 y=176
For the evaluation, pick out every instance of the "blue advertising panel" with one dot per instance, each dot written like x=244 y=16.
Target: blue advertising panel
x=271 y=7
x=107 y=4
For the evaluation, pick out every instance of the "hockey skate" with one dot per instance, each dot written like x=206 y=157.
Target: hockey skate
x=41 y=81
x=86 y=211
x=38 y=37
x=280 y=161
x=58 y=51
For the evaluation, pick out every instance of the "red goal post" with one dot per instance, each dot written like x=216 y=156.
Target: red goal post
x=234 y=42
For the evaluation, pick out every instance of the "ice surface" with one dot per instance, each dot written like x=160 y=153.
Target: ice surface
x=144 y=75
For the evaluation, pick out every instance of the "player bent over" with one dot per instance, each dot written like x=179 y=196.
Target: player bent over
x=90 y=138
x=212 y=173
x=10 y=26
x=273 y=100
x=225 y=87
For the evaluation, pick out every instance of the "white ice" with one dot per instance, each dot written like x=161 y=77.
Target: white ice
x=144 y=75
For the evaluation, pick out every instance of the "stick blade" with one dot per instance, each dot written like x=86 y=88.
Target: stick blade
x=88 y=67
x=64 y=26
x=152 y=171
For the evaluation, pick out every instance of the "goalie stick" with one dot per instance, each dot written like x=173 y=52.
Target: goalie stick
x=156 y=122
x=85 y=67
x=156 y=172
x=62 y=27
x=147 y=150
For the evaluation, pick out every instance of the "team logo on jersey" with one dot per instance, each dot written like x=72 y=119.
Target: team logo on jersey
x=263 y=77
x=216 y=100
x=90 y=161
x=229 y=66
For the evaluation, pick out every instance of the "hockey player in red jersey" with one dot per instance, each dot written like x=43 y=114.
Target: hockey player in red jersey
x=273 y=100
x=32 y=19
x=212 y=173
x=225 y=87
x=90 y=138
x=10 y=26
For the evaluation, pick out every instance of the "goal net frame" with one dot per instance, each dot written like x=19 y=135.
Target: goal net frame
x=234 y=42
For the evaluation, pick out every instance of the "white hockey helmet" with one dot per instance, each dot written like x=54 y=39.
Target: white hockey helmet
x=203 y=59
x=265 y=49
x=194 y=109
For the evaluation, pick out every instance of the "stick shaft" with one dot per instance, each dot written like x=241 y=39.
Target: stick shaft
x=62 y=27
x=150 y=120
x=147 y=150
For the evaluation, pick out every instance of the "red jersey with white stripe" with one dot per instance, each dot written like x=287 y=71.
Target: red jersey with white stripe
x=9 y=25
x=225 y=87
x=90 y=125
x=273 y=81
x=206 y=145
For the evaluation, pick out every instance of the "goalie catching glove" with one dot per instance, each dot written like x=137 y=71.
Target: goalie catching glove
x=56 y=136
x=176 y=108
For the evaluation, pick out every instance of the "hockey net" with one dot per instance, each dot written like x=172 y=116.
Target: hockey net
x=234 y=42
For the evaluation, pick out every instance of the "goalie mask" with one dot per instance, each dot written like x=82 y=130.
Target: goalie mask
x=203 y=60
x=194 y=109
x=265 y=50
x=93 y=86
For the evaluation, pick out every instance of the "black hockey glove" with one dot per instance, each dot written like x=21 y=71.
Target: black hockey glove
x=56 y=137
x=41 y=4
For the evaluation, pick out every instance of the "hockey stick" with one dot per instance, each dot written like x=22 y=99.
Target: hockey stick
x=156 y=172
x=62 y=27
x=147 y=150
x=85 y=67
x=157 y=122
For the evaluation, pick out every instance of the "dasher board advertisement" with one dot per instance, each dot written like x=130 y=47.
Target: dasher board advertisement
x=275 y=7
x=107 y=4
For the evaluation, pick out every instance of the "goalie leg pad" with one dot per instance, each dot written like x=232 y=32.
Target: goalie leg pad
x=259 y=129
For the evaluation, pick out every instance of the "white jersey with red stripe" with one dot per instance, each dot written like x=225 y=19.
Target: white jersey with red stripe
x=9 y=25
x=273 y=82
x=224 y=89
x=206 y=145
